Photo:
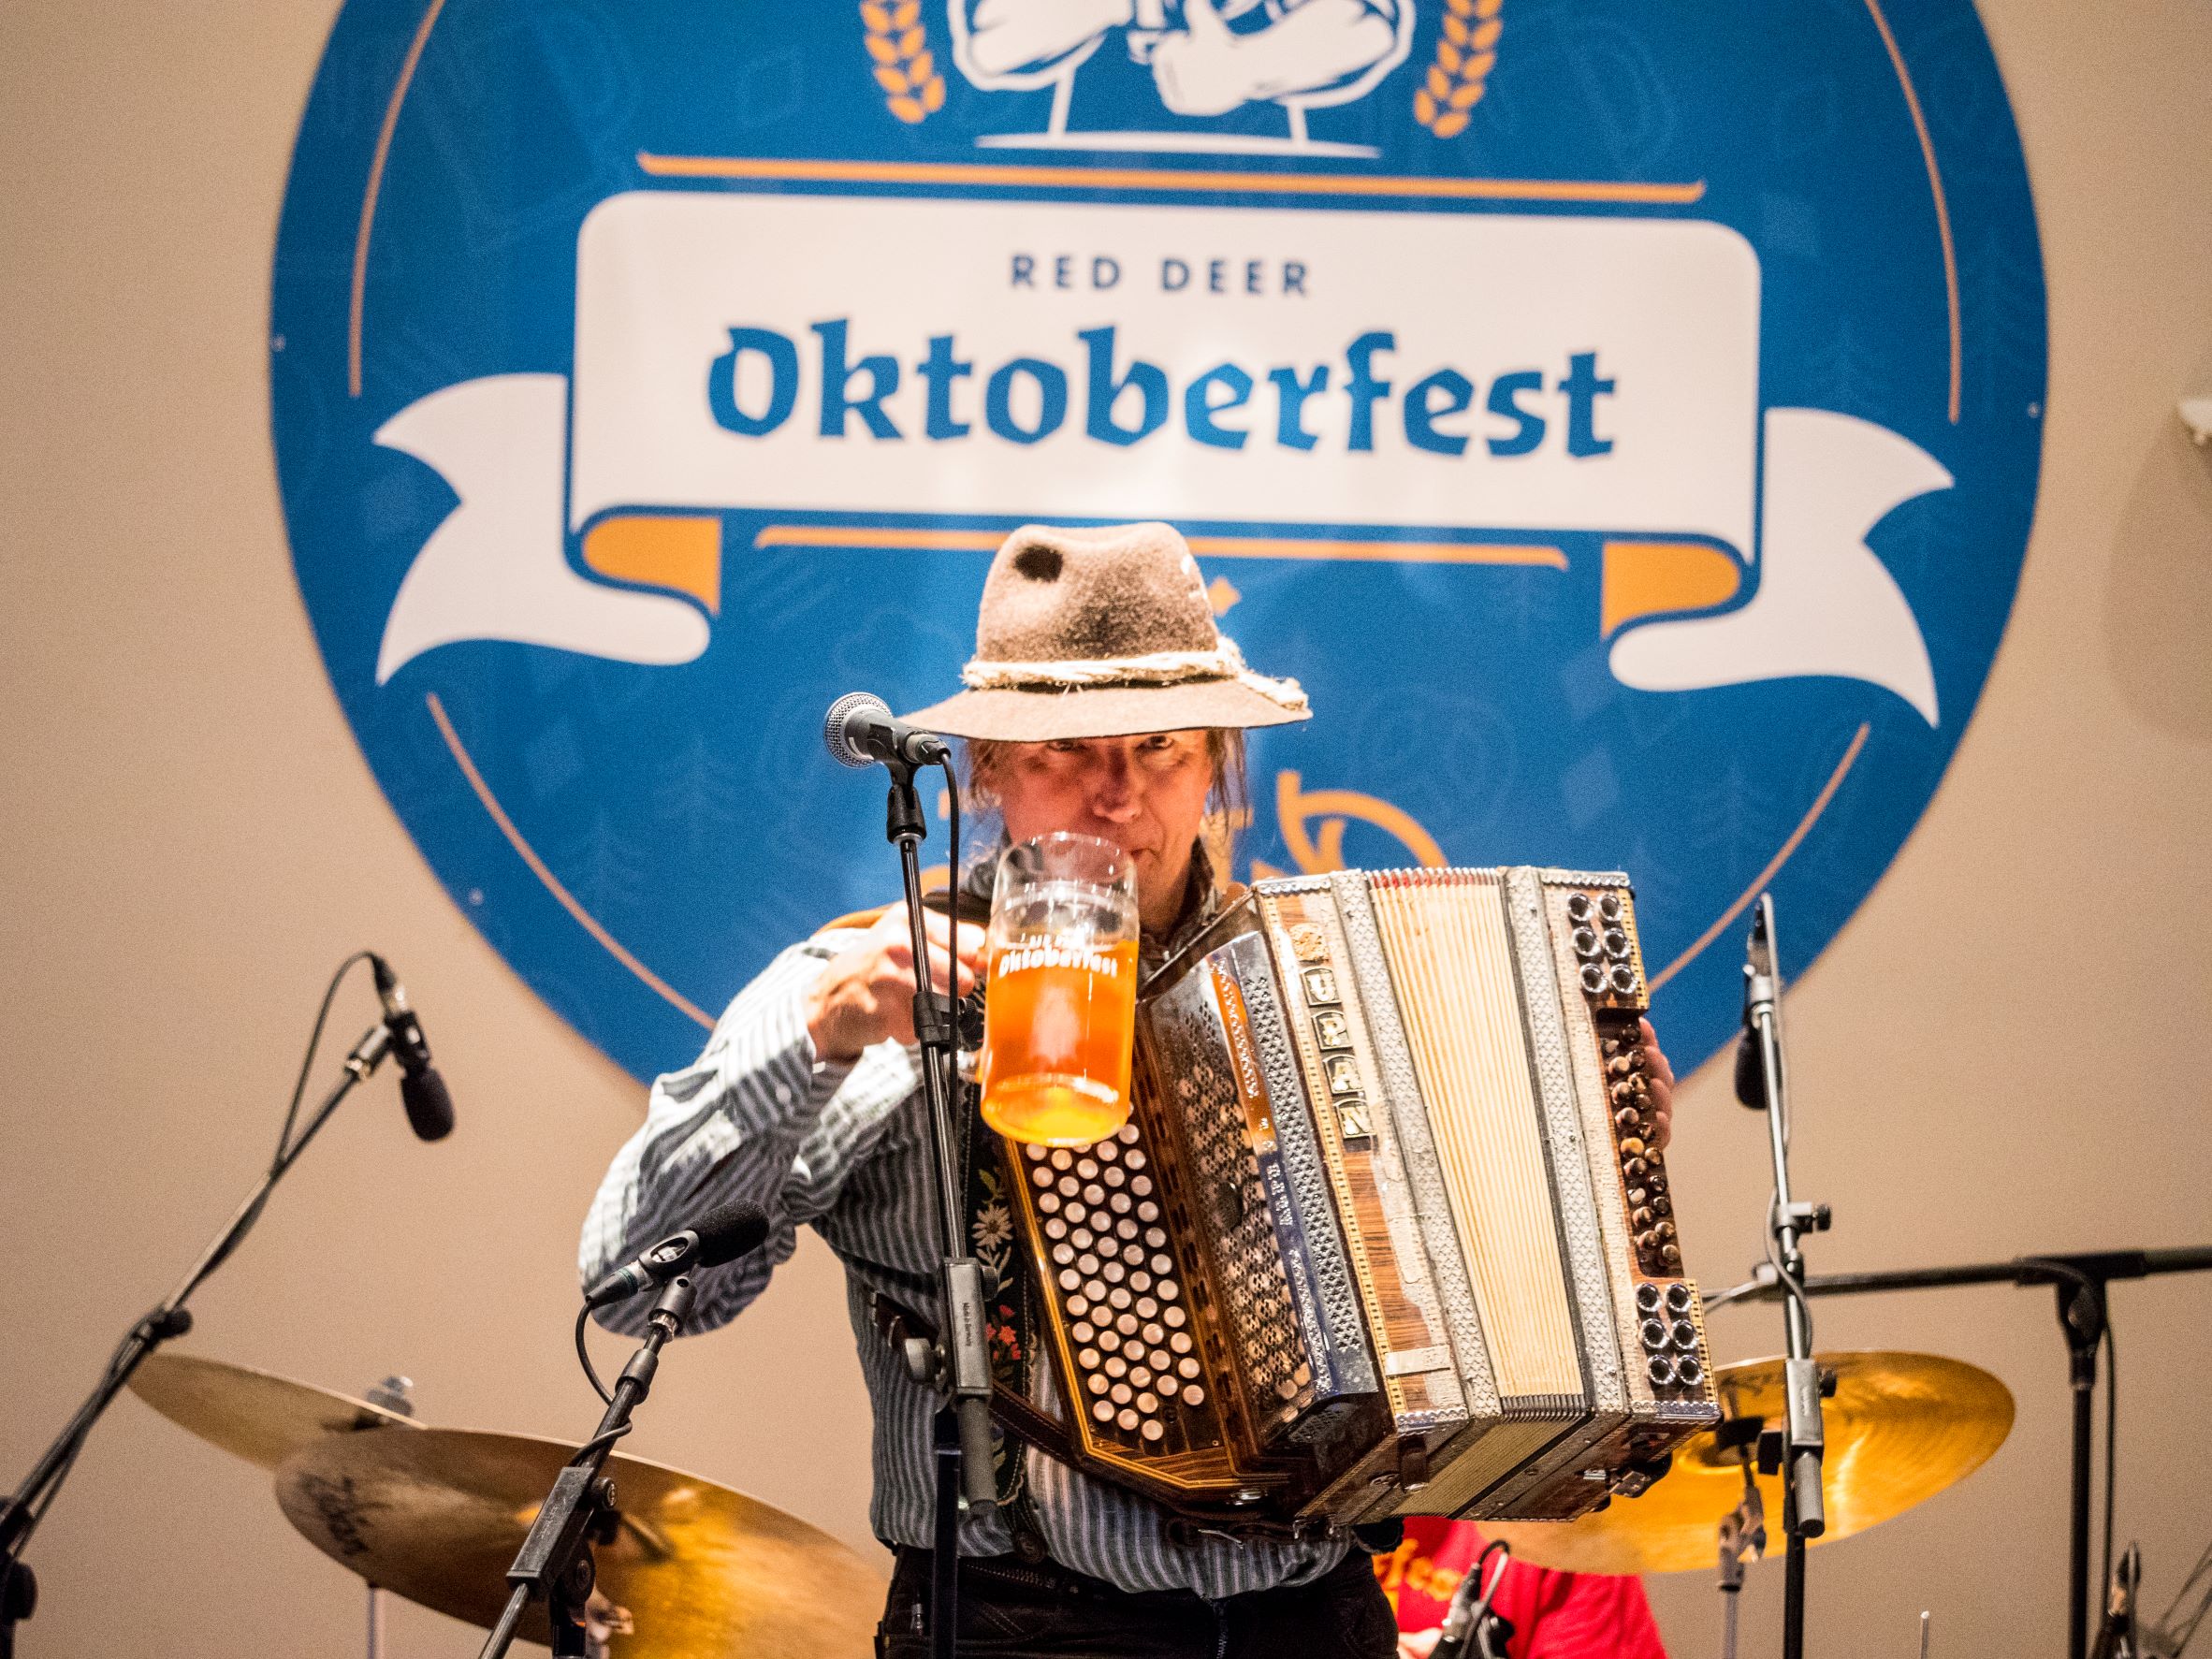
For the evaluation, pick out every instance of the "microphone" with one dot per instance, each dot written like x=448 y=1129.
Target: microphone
x=723 y=1235
x=1758 y=994
x=860 y=731
x=422 y=1091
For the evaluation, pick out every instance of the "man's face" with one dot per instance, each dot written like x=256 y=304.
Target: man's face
x=1147 y=795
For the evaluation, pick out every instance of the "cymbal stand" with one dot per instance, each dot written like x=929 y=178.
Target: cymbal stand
x=960 y=1368
x=1765 y=1087
x=1743 y=1532
x=2082 y=1281
x=392 y=1396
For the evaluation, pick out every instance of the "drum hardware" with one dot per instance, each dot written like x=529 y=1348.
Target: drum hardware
x=961 y=1443
x=2081 y=1282
x=394 y=1394
x=1743 y=1529
x=398 y=1031
x=436 y=1515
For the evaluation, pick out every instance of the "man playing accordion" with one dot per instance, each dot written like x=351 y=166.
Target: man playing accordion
x=1102 y=701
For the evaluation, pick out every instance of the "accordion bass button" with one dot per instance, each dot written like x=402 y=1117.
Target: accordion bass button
x=1150 y=1429
x=1194 y=1396
x=1127 y=1134
x=1102 y=1410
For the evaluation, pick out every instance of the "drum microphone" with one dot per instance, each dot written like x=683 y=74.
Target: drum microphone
x=422 y=1091
x=860 y=731
x=723 y=1234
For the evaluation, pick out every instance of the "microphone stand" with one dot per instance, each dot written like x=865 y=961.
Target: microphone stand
x=20 y=1515
x=960 y=1366
x=2082 y=1281
x=555 y=1560
x=1803 y=1511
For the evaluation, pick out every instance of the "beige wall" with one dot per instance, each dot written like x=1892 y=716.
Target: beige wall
x=2001 y=1053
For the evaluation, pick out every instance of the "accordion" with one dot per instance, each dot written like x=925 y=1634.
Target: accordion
x=1384 y=1234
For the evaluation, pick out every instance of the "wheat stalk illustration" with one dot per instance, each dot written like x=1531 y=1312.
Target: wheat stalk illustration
x=1466 y=51
x=905 y=67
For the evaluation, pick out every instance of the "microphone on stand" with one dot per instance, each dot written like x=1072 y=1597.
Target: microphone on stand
x=422 y=1091
x=1751 y=1077
x=1471 y=1630
x=860 y=731
x=721 y=1235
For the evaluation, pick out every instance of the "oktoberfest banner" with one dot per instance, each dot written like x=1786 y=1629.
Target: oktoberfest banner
x=1624 y=424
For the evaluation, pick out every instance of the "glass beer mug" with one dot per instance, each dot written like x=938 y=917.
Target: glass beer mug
x=1060 y=1014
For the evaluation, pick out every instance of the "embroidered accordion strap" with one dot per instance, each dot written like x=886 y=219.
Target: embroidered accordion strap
x=1008 y=1325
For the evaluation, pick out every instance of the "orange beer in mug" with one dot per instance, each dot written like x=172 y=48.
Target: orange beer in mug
x=1061 y=1008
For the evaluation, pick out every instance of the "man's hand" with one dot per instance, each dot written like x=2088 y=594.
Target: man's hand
x=1199 y=71
x=1661 y=1077
x=866 y=995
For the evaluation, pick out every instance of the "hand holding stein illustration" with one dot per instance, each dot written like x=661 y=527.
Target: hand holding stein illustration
x=1062 y=976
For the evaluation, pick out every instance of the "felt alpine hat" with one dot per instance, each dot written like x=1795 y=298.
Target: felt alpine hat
x=1102 y=632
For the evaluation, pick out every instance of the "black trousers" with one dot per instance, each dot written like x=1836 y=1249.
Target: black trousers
x=1009 y=1609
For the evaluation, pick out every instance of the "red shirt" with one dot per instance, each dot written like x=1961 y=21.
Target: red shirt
x=1554 y=1615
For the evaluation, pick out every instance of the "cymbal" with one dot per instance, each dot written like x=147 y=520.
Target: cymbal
x=1901 y=1428
x=437 y=1517
x=255 y=1415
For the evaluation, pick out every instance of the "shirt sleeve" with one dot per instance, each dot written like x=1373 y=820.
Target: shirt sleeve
x=745 y=1122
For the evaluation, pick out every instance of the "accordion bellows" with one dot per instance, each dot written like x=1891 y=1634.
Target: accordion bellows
x=1384 y=1234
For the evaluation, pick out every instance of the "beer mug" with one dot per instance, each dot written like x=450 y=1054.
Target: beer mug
x=1061 y=1010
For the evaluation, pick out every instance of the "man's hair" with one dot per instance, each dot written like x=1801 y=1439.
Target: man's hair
x=1228 y=798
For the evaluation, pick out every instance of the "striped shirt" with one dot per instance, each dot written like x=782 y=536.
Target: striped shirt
x=845 y=1146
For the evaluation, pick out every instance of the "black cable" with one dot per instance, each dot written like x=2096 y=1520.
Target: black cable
x=583 y=1452
x=2110 y=1438
x=285 y=1150
x=584 y=1355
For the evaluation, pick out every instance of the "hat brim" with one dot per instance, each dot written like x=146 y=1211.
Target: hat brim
x=1011 y=715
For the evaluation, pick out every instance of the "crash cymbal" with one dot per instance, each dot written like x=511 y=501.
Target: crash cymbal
x=437 y=1517
x=255 y=1415
x=1901 y=1428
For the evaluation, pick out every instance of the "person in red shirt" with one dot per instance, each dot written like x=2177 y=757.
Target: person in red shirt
x=1554 y=1615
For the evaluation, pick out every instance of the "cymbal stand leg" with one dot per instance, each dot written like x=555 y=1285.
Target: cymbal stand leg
x=376 y=1622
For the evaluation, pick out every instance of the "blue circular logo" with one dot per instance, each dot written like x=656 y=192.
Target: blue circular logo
x=1623 y=420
